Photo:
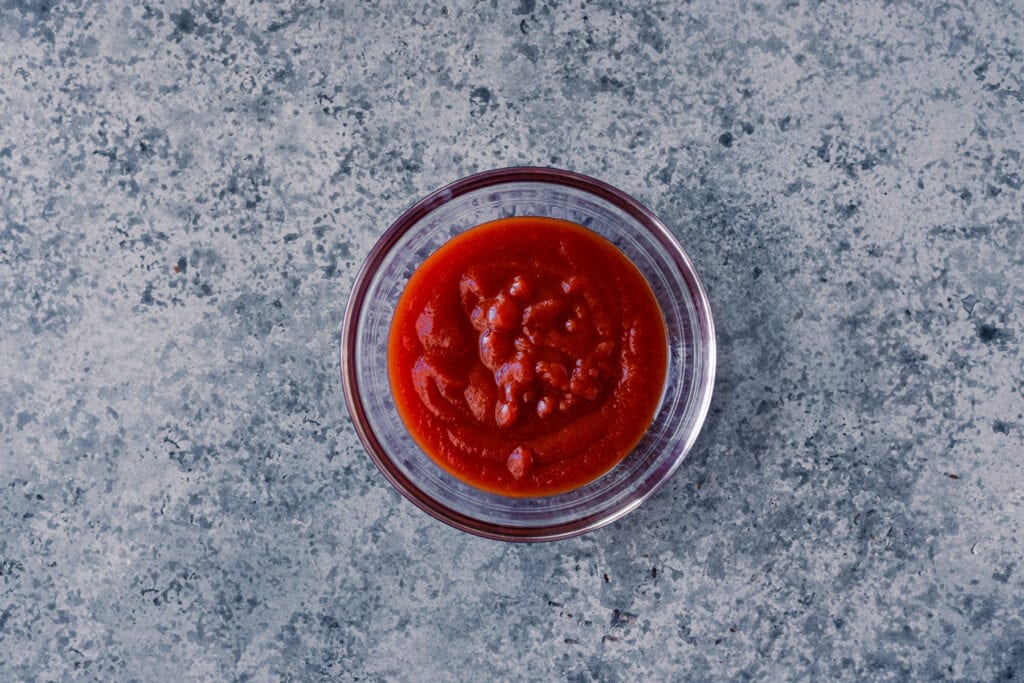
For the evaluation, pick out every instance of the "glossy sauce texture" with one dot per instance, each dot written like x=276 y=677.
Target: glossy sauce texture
x=527 y=356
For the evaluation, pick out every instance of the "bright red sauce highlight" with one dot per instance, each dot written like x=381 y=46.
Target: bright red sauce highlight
x=527 y=356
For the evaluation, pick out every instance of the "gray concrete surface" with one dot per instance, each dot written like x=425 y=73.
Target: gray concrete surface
x=186 y=191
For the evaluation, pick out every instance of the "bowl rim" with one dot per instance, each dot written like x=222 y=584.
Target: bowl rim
x=518 y=174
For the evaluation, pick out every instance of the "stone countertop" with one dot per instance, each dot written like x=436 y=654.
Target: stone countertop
x=186 y=192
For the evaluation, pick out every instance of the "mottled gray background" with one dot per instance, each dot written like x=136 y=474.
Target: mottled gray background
x=187 y=190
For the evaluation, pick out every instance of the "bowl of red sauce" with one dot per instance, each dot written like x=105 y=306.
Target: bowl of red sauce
x=528 y=354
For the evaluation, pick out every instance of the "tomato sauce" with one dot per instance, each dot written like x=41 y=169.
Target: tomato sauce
x=527 y=356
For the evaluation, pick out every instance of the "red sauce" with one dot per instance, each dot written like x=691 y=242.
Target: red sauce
x=527 y=356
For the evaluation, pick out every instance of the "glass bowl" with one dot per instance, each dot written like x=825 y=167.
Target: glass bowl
x=528 y=192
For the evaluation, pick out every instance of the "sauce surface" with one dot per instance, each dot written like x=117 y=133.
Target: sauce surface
x=527 y=356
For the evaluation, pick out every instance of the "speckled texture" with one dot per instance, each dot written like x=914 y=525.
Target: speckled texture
x=186 y=192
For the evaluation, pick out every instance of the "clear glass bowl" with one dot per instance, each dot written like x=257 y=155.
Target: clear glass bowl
x=528 y=192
